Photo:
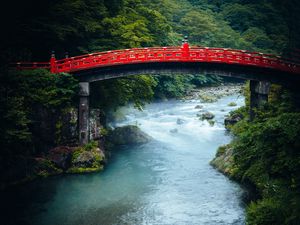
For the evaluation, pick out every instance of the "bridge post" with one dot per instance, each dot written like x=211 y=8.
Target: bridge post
x=84 y=113
x=185 y=47
x=53 y=68
x=259 y=91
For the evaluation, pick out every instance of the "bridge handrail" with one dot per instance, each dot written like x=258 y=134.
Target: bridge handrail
x=167 y=49
x=264 y=60
x=168 y=54
x=31 y=65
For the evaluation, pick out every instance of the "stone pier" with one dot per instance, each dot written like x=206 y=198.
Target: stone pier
x=84 y=113
x=259 y=91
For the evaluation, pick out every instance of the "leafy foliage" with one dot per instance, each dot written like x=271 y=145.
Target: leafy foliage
x=27 y=98
x=266 y=154
x=110 y=94
x=95 y=25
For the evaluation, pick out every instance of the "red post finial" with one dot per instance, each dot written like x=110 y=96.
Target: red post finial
x=53 y=68
x=185 y=47
x=186 y=42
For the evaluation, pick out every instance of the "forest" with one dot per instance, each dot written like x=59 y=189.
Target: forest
x=33 y=29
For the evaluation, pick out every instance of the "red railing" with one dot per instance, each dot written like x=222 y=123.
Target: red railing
x=166 y=54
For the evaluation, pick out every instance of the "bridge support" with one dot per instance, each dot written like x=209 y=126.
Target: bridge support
x=259 y=91
x=84 y=113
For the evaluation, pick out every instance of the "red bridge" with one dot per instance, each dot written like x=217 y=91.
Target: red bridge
x=260 y=69
x=183 y=54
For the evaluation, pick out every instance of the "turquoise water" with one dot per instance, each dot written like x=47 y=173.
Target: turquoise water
x=166 y=182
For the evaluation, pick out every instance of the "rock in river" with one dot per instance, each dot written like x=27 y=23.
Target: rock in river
x=207 y=116
x=128 y=135
x=180 y=121
x=230 y=120
x=198 y=106
x=173 y=131
x=232 y=104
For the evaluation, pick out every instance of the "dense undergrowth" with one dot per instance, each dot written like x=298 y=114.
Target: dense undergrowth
x=265 y=153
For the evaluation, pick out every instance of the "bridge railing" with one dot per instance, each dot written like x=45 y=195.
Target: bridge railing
x=176 y=54
x=168 y=54
x=31 y=65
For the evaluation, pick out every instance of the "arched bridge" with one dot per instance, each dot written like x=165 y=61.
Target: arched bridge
x=185 y=58
x=259 y=68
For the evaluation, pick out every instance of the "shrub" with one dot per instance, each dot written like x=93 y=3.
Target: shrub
x=265 y=212
x=90 y=146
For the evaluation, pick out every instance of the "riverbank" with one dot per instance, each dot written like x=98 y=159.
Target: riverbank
x=212 y=94
x=89 y=158
x=265 y=155
x=59 y=160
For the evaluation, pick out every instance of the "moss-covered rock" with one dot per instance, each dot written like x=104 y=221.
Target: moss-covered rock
x=86 y=159
x=232 y=104
x=211 y=122
x=234 y=117
x=85 y=170
x=224 y=161
x=128 y=135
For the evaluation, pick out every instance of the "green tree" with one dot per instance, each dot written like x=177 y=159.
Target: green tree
x=110 y=94
x=28 y=98
x=199 y=26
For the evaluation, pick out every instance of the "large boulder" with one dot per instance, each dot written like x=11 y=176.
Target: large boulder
x=223 y=160
x=84 y=159
x=230 y=120
x=129 y=134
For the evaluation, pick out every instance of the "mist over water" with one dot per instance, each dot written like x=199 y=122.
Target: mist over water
x=166 y=182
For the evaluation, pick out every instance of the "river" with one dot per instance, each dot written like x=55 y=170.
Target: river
x=166 y=182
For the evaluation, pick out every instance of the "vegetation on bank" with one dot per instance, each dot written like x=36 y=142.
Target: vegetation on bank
x=265 y=153
x=60 y=160
x=33 y=108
